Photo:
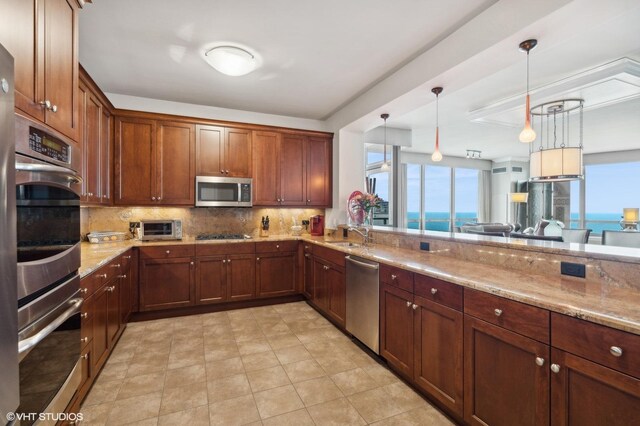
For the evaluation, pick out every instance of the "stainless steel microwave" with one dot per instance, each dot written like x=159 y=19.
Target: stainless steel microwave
x=214 y=191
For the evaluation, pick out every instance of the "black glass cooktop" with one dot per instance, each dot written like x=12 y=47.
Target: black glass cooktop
x=223 y=237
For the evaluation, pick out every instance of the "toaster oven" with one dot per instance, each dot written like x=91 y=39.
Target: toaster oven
x=151 y=230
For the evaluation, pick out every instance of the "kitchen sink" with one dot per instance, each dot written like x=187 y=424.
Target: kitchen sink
x=345 y=244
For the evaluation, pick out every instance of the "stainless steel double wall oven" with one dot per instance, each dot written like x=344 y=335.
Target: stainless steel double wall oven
x=48 y=253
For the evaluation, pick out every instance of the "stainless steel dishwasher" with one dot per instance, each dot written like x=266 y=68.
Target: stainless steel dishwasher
x=363 y=301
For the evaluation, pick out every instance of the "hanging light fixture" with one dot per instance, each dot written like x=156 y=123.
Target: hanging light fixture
x=437 y=155
x=559 y=155
x=527 y=135
x=385 y=165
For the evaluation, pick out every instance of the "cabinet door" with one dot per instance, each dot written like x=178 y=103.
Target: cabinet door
x=503 y=384
x=135 y=165
x=100 y=306
x=396 y=328
x=61 y=65
x=586 y=393
x=83 y=94
x=106 y=156
x=337 y=294
x=318 y=169
x=293 y=178
x=21 y=34
x=241 y=277
x=211 y=280
x=237 y=152
x=92 y=147
x=126 y=287
x=114 y=319
x=320 y=285
x=275 y=274
x=307 y=288
x=266 y=163
x=209 y=151
x=175 y=163
x=166 y=283
x=438 y=353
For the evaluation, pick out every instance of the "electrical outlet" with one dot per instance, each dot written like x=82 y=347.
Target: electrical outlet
x=345 y=233
x=424 y=246
x=573 y=269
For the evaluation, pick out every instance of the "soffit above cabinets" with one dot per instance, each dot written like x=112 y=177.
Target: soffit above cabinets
x=608 y=84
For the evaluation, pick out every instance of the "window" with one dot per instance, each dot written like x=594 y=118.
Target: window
x=608 y=189
x=429 y=190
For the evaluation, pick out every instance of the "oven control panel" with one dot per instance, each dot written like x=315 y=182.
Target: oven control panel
x=47 y=145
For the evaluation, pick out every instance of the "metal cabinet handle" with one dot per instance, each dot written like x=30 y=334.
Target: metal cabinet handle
x=117 y=265
x=414 y=306
x=226 y=171
x=111 y=289
x=555 y=368
x=498 y=312
x=228 y=260
x=408 y=304
x=168 y=251
x=84 y=290
x=153 y=198
x=224 y=261
x=222 y=171
x=539 y=361
x=191 y=263
x=122 y=276
x=278 y=199
x=283 y=200
x=46 y=103
x=102 y=276
x=85 y=356
x=326 y=268
x=126 y=257
x=616 y=351
x=434 y=290
x=277 y=246
x=159 y=198
x=393 y=277
x=258 y=259
x=84 y=340
x=306 y=247
x=307 y=255
x=84 y=315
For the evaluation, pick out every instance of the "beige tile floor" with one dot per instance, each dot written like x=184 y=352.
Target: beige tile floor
x=274 y=365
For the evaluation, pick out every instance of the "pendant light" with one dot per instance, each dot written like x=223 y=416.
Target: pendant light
x=527 y=135
x=437 y=155
x=385 y=165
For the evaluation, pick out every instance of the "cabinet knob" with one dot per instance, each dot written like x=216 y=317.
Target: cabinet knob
x=539 y=361
x=84 y=290
x=48 y=106
x=224 y=261
x=168 y=251
x=117 y=265
x=85 y=356
x=222 y=171
x=84 y=340
x=278 y=199
x=555 y=368
x=277 y=246
x=616 y=351
x=326 y=268
x=110 y=289
x=498 y=312
x=54 y=108
x=414 y=306
x=258 y=259
x=153 y=198
x=226 y=171
x=228 y=260
x=104 y=196
x=84 y=315
x=434 y=290
x=159 y=198
x=191 y=263
x=122 y=276
x=393 y=277
x=102 y=276
x=308 y=201
x=307 y=255
x=282 y=200
x=408 y=304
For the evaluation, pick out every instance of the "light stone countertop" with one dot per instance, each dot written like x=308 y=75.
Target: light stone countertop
x=600 y=303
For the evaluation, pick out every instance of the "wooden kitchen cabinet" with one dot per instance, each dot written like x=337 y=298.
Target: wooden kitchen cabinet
x=329 y=283
x=308 y=284
x=276 y=273
x=95 y=138
x=318 y=171
x=223 y=151
x=166 y=283
x=225 y=272
x=154 y=162
x=292 y=170
x=266 y=163
x=128 y=284
x=506 y=376
x=396 y=328
x=43 y=38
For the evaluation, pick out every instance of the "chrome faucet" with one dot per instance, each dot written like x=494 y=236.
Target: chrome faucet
x=364 y=234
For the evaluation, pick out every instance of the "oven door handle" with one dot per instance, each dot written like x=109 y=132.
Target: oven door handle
x=49 y=168
x=28 y=343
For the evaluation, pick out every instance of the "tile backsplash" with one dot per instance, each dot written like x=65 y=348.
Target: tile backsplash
x=196 y=220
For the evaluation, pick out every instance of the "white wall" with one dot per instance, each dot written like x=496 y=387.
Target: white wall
x=215 y=113
x=348 y=173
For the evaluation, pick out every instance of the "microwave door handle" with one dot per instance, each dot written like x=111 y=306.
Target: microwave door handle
x=29 y=342
x=49 y=168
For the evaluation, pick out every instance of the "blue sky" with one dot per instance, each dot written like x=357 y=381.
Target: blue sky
x=609 y=188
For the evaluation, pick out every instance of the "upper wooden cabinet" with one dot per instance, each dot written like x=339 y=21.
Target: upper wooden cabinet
x=223 y=151
x=42 y=36
x=95 y=137
x=154 y=162
x=291 y=169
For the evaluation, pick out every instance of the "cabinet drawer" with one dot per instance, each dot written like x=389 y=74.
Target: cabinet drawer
x=167 y=252
x=519 y=317
x=330 y=255
x=86 y=331
x=276 y=246
x=396 y=277
x=597 y=343
x=439 y=291
x=95 y=280
x=225 y=248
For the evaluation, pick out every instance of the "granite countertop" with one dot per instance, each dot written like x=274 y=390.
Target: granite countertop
x=599 y=303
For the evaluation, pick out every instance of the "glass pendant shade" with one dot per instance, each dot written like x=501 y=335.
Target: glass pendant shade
x=527 y=135
x=437 y=155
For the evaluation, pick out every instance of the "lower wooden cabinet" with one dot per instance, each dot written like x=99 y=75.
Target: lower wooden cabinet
x=100 y=306
x=308 y=284
x=276 y=274
x=167 y=283
x=506 y=376
x=225 y=278
x=396 y=328
x=329 y=288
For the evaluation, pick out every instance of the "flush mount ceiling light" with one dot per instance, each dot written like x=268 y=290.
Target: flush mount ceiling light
x=231 y=60
x=559 y=156
x=437 y=155
x=385 y=165
x=527 y=135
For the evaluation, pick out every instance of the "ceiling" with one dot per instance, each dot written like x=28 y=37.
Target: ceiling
x=317 y=56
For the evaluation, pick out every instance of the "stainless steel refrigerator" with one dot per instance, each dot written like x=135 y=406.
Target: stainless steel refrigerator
x=9 y=393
